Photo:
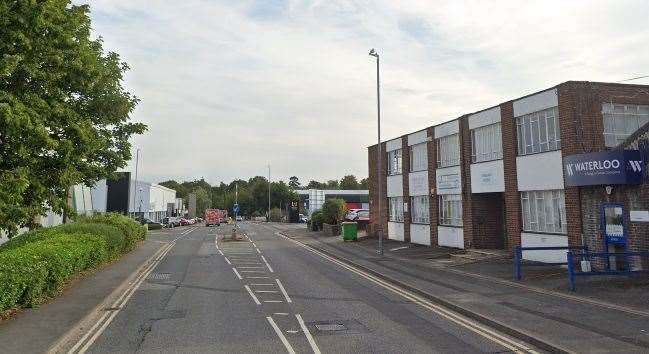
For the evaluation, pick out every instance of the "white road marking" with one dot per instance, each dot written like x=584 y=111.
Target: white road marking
x=258 y=251
x=281 y=336
x=253 y=271
x=253 y=284
x=266 y=291
x=281 y=287
x=237 y=273
x=268 y=265
x=476 y=327
x=221 y=253
x=254 y=245
x=308 y=335
x=258 y=277
x=227 y=260
x=281 y=313
x=252 y=295
x=273 y=301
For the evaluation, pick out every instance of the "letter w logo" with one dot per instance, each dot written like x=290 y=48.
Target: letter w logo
x=636 y=166
x=569 y=168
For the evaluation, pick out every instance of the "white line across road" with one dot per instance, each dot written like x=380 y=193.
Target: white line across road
x=252 y=295
x=281 y=335
x=267 y=265
x=484 y=331
x=281 y=287
x=308 y=335
x=88 y=339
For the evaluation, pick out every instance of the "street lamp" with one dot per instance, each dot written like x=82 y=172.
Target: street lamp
x=373 y=53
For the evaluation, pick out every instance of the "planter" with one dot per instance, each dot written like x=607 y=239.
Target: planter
x=331 y=229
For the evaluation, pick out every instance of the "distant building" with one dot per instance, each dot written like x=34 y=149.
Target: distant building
x=312 y=199
x=138 y=198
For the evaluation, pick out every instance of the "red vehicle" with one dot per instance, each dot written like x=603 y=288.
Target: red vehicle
x=184 y=222
x=215 y=217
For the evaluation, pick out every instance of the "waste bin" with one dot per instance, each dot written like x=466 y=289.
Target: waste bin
x=349 y=231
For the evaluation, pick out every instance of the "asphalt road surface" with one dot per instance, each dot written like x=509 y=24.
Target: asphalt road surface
x=268 y=294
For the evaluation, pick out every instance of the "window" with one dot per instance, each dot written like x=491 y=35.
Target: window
x=448 y=151
x=419 y=209
x=396 y=209
x=538 y=132
x=394 y=162
x=622 y=120
x=544 y=211
x=486 y=143
x=418 y=157
x=450 y=210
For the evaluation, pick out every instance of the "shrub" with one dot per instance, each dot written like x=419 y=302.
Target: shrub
x=154 y=226
x=256 y=214
x=316 y=220
x=132 y=230
x=115 y=238
x=333 y=210
x=275 y=214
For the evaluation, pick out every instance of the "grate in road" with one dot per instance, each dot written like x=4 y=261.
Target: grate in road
x=160 y=276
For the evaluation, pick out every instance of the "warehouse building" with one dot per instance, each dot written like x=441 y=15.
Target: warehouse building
x=312 y=199
x=563 y=166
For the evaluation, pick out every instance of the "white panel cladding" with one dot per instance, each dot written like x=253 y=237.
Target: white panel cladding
x=450 y=128
x=395 y=186
x=420 y=234
x=544 y=240
x=487 y=177
x=393 y=145
x=418 y=137
x=449 y=180
x=450 y=237
x=488 y=117
x=540 y=171
x=535 y=103
x=418 y=183
x=395 y=231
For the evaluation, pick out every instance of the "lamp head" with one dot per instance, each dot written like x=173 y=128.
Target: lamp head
x=373 y=53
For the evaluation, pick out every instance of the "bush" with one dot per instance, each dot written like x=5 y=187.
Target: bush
x=275 y=214
x=256 y=214
x=316 y=220
x=333 y=210
x=132 y=230
x=154 y=226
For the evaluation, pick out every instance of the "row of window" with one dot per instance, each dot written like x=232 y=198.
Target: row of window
x=537 y=132
x=542 y=211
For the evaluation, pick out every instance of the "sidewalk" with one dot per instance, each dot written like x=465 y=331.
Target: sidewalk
x=538 y=307
x=36 y=330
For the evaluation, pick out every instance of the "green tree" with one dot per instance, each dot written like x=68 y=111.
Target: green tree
x=333 y=184
x=364 y=184
x=316 y=185
x=64 y=115
x=294 y=182
x=333 y=210
x=181 y=191
x=349 y=182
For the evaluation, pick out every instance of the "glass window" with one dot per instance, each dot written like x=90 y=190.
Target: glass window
x=448 y=151
x=394 y=162
x=418 y=157
x=396 y=209
x=419 y=209
x=538 y=132
x=620 y=121
x=486 y=143
x=544 y=211
x=450 y=210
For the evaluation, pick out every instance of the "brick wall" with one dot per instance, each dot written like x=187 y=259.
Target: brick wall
x=465 y=175
x=512 y=203
x=432 y=182
x=487 y=220
x=378 y=218
x=405 y=170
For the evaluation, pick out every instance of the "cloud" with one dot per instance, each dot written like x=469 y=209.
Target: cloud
x=228 y=87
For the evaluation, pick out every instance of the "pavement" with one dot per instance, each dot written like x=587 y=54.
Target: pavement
x=540 y=308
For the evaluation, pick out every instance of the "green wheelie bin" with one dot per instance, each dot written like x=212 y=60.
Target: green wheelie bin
x=349 y=231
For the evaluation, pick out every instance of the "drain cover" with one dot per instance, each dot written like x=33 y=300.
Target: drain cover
x=160 y=276
x=325 y=327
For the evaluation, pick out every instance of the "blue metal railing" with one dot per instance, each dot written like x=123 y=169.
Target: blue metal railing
x=518 y=257
x=606 y=256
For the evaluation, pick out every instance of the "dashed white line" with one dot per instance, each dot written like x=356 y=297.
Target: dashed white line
x=250 y=267
x=227 y=260
x=253 y=284
x=266 y=291
x=237 y=273
x=221 y=253
x=281 y=287
x=253 y=271
x=268 y=265
x=308 y=335
x=281 y=336
x=252 y=295
x=273 y=301
x=258 y=251
x=258 y=277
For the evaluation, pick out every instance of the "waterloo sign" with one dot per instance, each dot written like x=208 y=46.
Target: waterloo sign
x=604 y=168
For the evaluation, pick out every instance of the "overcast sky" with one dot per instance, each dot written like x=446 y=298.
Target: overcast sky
x=230 y=86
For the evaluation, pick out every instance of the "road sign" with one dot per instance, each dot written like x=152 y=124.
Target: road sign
x=235 y=208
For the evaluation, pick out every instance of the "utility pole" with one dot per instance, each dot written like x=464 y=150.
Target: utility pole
x=137 y=162
x=268 y=220
x=378 y=150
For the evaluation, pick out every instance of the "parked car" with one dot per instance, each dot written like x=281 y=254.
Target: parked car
x=171 y=221
x=152 y=225
x=302 y=218
x=352 y=214
x=239 y=218
x=184 y=222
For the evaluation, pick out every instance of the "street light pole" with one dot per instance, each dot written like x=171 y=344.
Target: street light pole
x=378 y=150
x=268 y=220
x=137 y=162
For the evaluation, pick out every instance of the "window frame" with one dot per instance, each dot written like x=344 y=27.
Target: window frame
x=450 y=210
x=416 y=215
x=395 y=212
x=395 y=168
x=609 y=113
x=490 y=143
x=444 y=145
x=544 y=211
x=424 y=160
x=535 y=134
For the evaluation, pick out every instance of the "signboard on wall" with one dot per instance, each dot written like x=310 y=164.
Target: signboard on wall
x=604 y=168
x=449 y=183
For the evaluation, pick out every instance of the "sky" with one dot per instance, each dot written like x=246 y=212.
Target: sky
x=228 y=87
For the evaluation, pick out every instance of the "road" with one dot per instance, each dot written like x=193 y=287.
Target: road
x=269 y=294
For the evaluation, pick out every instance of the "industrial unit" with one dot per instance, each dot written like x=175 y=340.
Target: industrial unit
x=563 y=166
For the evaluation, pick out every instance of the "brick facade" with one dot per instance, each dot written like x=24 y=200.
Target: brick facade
x=488 y=215
x=405 y=170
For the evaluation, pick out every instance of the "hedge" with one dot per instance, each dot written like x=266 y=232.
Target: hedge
x=36 y=265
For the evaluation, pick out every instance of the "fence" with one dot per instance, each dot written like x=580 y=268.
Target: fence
x=606 y=259
x=518 y=257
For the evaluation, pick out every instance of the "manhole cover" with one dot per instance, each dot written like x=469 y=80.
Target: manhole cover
x=330 y=327
x=160 y=276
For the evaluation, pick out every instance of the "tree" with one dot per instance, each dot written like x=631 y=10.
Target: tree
x=333 y=210
x=64 y=115
x=294 y=182
x=349 y=182
x=181 y=191
x=333 y=184
x=364 y=184
x=316 y=185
